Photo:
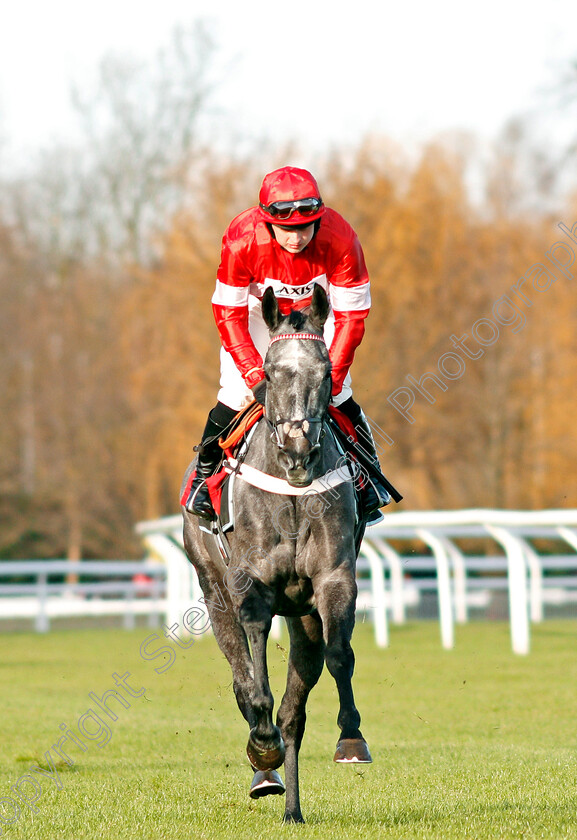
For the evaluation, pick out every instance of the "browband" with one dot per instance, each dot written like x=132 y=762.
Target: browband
x=284 y=336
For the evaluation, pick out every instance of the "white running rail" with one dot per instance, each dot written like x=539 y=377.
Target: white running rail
x=410 y=552
x=529 y=555
x=533 y=575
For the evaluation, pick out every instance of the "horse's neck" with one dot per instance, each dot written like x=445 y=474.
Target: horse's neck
x=263 y=451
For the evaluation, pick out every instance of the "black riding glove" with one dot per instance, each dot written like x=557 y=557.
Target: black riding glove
x=259 y=391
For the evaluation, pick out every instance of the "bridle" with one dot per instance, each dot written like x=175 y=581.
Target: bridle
x=313 y=432
x=310 y=428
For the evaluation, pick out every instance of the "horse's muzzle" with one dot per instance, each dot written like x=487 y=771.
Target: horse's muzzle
x=299 y=473
x=299 y=444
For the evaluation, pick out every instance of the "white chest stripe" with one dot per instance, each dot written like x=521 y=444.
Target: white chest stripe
x=343 y=298
x=259 y=479
x=305 y=290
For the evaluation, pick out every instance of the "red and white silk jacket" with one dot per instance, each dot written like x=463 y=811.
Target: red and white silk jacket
x=252 y=259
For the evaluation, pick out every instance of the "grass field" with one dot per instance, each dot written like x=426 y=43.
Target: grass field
x=472 y=743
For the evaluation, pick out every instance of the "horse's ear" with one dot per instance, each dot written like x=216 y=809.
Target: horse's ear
x=319 y=309
x=270 y=310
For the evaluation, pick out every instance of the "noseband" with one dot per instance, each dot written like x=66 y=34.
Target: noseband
x=285 y=429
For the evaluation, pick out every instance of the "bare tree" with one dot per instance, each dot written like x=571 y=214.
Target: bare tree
x=81 y=221
x=141 y=132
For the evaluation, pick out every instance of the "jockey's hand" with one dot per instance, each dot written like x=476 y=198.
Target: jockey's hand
x=259 y=391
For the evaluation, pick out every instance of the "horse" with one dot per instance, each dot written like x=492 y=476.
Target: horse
x=292 y=552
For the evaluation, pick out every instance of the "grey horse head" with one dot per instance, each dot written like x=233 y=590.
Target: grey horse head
x=298 y=373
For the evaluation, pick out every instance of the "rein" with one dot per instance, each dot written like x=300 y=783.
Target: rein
x=245 y=419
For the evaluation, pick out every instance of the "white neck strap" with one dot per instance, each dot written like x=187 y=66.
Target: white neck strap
x=257 y=478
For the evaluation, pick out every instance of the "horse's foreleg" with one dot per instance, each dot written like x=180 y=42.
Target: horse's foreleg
x=306 y=662
x=265 y=747
x=336 y=604
x=227 y=630
x=232 y=641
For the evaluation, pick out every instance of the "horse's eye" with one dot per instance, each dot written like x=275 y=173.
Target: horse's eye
x=266 y=376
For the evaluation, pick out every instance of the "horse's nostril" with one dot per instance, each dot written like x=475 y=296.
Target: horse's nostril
x=309 y=459
x=286 y=461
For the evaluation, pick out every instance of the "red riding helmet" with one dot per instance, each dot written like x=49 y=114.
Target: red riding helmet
x=290 y=196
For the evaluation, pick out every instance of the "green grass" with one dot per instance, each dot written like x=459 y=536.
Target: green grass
x=471 y=743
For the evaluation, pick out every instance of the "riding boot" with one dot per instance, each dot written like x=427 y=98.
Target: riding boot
x=209 y=456
x=374 y=494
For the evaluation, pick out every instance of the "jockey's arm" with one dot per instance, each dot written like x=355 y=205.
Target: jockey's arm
x=230 y=309
x=232 y=324
x=349 y=331
x=350 y=295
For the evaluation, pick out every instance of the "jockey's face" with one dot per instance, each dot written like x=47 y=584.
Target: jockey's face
x=293 y=239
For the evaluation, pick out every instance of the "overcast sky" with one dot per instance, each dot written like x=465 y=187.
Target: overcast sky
x=325 y=72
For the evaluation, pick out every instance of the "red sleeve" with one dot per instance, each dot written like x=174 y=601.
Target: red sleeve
x=349 y=332
x=230 y=303
x=349 y=290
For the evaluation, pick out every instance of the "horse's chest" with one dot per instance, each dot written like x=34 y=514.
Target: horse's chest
x=295 y=597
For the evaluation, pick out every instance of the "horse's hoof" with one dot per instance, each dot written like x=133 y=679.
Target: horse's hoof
x=265 y=783
x=265 y=759
x=293 y=818
x=352 y=751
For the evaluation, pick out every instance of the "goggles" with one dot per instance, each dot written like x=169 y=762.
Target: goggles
x=283 y=210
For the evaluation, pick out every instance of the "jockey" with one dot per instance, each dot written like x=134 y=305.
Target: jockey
x=289 y=242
